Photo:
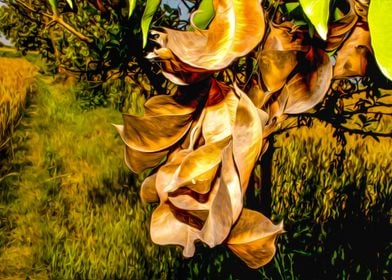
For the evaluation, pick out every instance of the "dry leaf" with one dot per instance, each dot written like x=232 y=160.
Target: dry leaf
x=253 y=238
x=352 y=58
x=149 y=138
x=148 y=191
x=286 y=37
x=275 y=66
x=247 y=137
x=219 y=118
x=238 y=26
x=338 y=30
x=166 y=229
x=306 y=89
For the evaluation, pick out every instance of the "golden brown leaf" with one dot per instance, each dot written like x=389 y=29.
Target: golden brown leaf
x=338 y=30
x=220 y=218
x=219 y=119
x=230 y=179
x=238 y=26
x=154 y=133
x=139 y=161
x=276 y=106
x=148 y=191
x=166 y=175
x=166 y=229
x=198 y=168
x=362 y=8
x=257 y=94
x=189 y=200
x=175 y=70
x=247 y=137
x=275 y=66
x=149 y=138
x=352 y=58
x=253 y=238
x=306 y=89
x=286 y=37
x=165 y=105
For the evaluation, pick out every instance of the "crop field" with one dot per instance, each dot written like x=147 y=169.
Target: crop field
x=70 y=209
x=15 y=84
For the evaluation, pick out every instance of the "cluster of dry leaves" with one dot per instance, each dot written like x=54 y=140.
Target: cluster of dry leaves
x=204 y=141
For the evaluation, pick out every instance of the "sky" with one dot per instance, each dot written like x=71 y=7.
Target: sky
x=2 y=39
x=175 y=4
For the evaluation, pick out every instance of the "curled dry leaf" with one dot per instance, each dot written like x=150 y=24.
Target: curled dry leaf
x=227 y=38
x=148 y=191
x=219 y=118
x=220 y=218
x=286 y=37
x=201 y=186
x=338 y=30
x=207 y=137
x=198 y=169
x=166 y=229
x=149 y=138
x=253 y=238
x=295 y=74
x=361 y=9
x=247 y=138
x=230 y=179
x=352 y=58
x=275 y=66
x=166 y=175
x=306 y=89
x=257 y=94
x=176 y=71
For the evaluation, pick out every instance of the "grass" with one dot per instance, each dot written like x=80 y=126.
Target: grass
x=338 y=225
x=69 y=208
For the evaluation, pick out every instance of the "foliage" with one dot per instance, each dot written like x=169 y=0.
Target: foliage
x=95 y=43
x=205 y=13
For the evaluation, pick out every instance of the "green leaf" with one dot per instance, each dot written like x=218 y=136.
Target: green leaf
x=204 y=14
x=151 y=7
x=70 y=3
x=291 y=6
x=53 y=4
x=132 y=5
x=380 y=26
x=318 y=13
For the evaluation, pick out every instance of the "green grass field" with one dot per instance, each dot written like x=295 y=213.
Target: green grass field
x=69 y=208
x=68 y=205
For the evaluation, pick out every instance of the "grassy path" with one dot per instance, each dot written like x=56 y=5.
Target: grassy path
x=67 y=210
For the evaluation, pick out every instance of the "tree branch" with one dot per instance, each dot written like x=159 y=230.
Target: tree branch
x=338 y=125
x=71 y=29
x=364 y=133
x=58 y=19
